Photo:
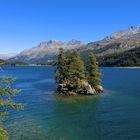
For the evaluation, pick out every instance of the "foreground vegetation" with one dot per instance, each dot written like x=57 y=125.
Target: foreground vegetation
x=75 y=77
x=6 y=94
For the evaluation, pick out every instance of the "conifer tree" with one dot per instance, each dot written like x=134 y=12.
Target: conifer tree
x=6 y=92
x=75 y=70
x=60 y=72
x=93 y=73
x=75 y=66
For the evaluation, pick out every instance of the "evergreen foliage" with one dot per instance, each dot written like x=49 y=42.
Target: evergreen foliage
x=6 y=93
x=16 y=63
x=3 y=62
x=60 y=72
x=127 y=58
x=75 y=66
x=74 y=70
x=93 y=73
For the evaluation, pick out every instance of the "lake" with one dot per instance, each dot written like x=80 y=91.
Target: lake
x=114 y=115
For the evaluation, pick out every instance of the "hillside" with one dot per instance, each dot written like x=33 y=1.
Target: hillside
x=45 y=51
x=116 y=43
x=127 y=58
x=16 y=63
x=3 y=62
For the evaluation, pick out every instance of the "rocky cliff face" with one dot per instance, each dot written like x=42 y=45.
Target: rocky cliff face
x=46 y=50
x=117 y=42
x=124 y=34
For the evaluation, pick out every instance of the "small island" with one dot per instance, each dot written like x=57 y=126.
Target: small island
x=75 y=76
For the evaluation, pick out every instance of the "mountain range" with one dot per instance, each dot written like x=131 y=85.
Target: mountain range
x=7 y=56
x=117 y=42
x=46 y=51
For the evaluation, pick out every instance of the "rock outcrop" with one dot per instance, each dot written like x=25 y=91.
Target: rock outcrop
x=46 y=51
x=83 y=88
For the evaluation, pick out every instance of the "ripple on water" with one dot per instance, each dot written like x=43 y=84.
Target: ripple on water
x=113 y=115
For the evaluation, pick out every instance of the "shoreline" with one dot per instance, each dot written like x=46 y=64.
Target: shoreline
x=135 y=67
x=24 y=65
x=129 y=67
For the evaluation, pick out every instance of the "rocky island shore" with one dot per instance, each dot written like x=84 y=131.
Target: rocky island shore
x=88 y=90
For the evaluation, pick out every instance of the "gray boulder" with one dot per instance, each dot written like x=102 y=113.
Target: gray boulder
x=99 y=89
x=85 y=88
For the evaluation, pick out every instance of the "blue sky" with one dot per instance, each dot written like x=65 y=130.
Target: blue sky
x=25 y=23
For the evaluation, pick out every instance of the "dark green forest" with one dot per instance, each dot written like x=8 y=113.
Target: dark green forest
x=16 y=63
x=3 y=62
x=127 y=58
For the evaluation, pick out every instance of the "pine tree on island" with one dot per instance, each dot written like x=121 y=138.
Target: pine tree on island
x=73 y=77
x=60 y=72
x=93 y=73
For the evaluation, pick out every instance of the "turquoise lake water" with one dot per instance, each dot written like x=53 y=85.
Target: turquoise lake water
x=114 y=115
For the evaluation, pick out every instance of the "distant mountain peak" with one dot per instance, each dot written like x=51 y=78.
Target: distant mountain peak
x=7 y=56
x=54 y=41
x=46 y=50
x=74 y=42
x=124 y=33
x=134 y=27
